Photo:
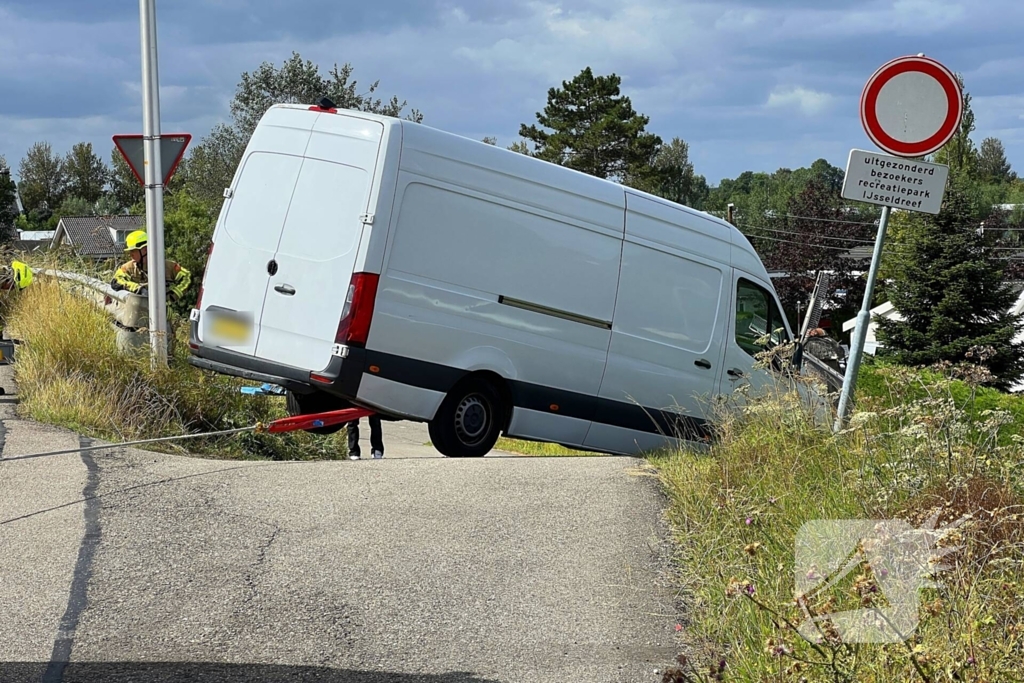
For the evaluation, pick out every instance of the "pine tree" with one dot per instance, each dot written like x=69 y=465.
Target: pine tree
x=594 y=129
x=949 y=289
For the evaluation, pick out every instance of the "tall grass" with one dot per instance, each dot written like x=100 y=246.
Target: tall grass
x=71 y=373
x=927 y=448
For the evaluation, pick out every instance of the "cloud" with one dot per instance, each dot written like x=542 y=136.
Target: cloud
x=750 y=84
x=809 y=102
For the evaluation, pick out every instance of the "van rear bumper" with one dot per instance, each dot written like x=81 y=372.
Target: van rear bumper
x=343 y=374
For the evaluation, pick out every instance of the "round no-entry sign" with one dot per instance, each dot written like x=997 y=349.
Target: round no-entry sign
x=911 y=106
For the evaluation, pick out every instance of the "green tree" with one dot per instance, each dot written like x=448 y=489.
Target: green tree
x=588 y=125
x=212 y=164
x=124 y=186
x=75 y=206
x=959 y=153
x=948 y=286
x=676 y=180
x=520 y=147
x=992 y=164
x=188 y=231
x=107 y=205
x=8 y=204
x=43 y=179
x=86 y=173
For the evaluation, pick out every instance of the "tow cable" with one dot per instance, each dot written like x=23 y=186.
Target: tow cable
x=285 y=424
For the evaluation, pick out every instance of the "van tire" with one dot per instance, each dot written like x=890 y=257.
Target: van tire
x=469 y=421
x=317 y=402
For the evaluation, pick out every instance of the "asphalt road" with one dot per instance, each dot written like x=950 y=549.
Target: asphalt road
x=129 y=565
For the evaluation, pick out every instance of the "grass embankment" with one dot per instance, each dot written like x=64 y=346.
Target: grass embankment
x=921 y=445
x=70 y=373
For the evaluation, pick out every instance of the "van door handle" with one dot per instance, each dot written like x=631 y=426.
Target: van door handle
x=285 y=289
x=735 y=372
x=703 y=363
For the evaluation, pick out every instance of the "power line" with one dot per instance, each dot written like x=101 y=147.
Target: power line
x=804 y=234
x=887 y=250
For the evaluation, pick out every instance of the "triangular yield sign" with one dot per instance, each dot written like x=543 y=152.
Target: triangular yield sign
x=172 y=149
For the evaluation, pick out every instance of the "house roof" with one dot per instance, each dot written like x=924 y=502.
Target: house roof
x=24 y=246
x=90 y=235
x=886 y=310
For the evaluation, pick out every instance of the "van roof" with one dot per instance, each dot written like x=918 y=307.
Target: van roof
x=566 y=178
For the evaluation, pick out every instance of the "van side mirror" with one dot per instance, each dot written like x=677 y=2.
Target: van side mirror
x=798 y=356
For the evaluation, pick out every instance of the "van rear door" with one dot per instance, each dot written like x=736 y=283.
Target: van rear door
x=250 y=226
x=316 y=254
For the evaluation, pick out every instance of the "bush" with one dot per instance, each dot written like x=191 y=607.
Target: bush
x=930 y=445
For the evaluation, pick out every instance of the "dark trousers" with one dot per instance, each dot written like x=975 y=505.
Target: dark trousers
x=376 y=437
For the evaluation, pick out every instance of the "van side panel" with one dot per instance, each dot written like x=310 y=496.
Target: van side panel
x=486 y=269
x=458 y=237
x=664 y=359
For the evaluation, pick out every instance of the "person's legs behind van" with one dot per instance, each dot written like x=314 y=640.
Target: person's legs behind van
x=376 y=439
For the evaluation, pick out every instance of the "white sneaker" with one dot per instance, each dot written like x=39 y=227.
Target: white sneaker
x=353 y=457
x=377 y=455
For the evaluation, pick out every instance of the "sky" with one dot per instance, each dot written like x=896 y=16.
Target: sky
x=749 y=84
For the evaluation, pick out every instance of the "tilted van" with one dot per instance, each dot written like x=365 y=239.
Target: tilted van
x=369 y=260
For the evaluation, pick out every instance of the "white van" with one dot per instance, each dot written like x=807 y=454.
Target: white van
x=366 y=259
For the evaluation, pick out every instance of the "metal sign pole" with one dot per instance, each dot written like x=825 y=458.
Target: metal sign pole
x=156 y=264
x=861 y=331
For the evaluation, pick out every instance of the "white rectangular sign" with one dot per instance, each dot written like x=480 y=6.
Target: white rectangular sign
x=894 y=181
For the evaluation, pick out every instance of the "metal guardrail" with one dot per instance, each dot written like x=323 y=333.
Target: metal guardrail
x=129 y=312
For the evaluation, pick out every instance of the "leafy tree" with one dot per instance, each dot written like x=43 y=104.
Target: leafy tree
x=816 y=235
x=188 y=230
x=520 y=147
x=676 y=180
x=43 y=179
x=959 y=153
x=992 y=164
x=107 y=205
x=8 y=204
x=949 y=287
x=75 y=206
x=213 y=162
x=589 y=126
x=86 y=173
x=124 y=186
x=490 y=140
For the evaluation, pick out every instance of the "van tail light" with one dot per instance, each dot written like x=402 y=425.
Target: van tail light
x=354 y=327
x=199 y=299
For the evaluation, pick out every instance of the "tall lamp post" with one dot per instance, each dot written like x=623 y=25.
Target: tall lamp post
x=154 y=184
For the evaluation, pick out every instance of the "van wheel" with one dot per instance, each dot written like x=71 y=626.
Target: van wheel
x=311 y=404
x=469 y=420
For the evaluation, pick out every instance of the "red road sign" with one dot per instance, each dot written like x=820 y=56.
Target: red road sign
x=911 y=106
x=172 y=149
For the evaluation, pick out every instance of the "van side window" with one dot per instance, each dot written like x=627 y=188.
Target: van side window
x=757 y=315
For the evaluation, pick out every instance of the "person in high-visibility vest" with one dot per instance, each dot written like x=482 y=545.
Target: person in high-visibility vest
x=16 y=276
x=133 y=277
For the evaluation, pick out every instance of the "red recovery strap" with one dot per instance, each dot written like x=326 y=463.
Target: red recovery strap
x=291 y=424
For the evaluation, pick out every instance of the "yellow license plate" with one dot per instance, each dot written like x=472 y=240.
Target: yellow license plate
x=225 y=329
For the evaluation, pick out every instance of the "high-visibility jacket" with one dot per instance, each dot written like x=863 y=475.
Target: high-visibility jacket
x=133 y=277
x=22 y=274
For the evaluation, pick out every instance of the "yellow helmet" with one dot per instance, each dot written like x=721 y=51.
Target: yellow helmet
x=135 y=240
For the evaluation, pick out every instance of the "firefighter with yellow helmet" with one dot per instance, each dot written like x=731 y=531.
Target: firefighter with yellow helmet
x=133 y=277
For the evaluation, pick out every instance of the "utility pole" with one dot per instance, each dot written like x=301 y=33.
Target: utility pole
x=731 y=213
x=156 y=263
